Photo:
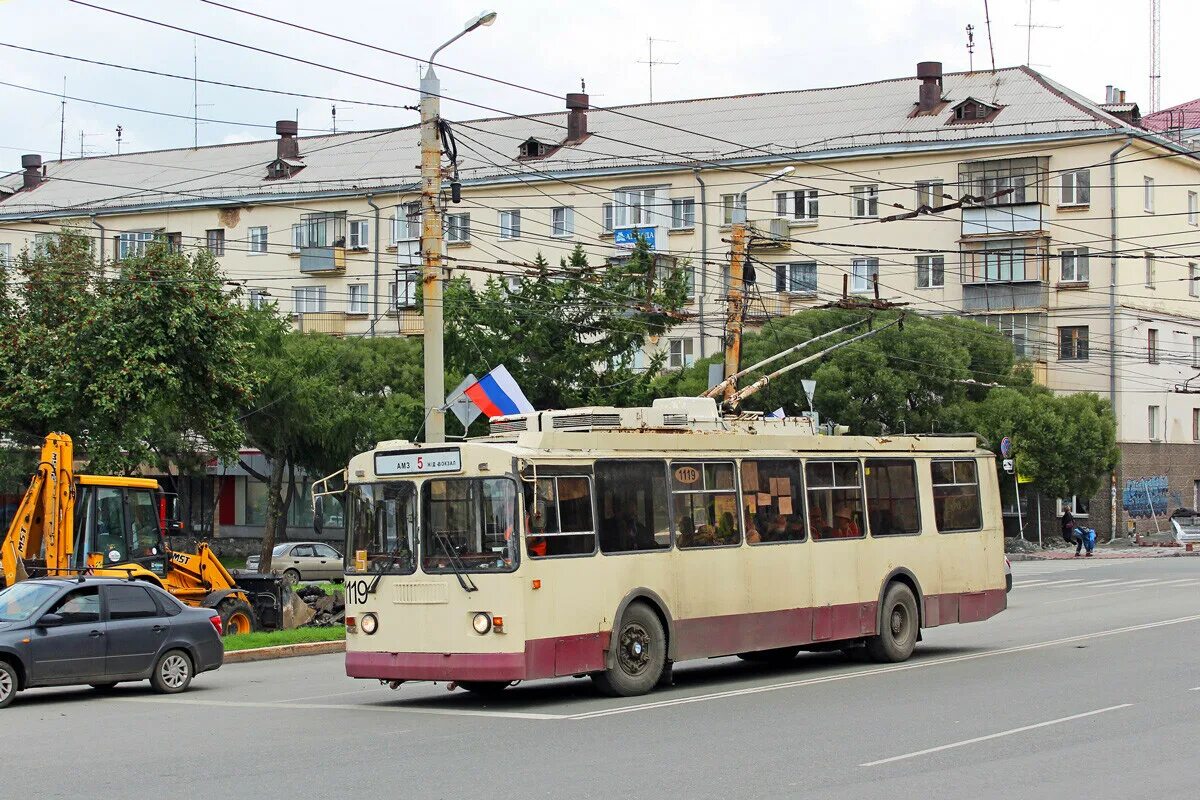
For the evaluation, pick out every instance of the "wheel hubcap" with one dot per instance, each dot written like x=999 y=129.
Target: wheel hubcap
x=6 y=685
x=899 y=621
x=634 y=652
x=174 y=671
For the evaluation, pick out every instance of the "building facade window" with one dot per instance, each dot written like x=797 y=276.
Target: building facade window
x=215 y=241
x=1152 y=345
x=606 y=214
x=510 y=224
x=733 y=208
x=1193 y=211
x=862 y=274
x=1074 y=265
x=865 y=200
x=1148 y=194
x=1196 y=352
x=406 y=224
x=360 y=234
x=929 y=193
x=403 y=290
x=1005 y=181
x=358 y=298
x=1193 y=277
x=1149 y=270
x=562 y=222
x=1073 y=343
x=801 y=205
x=797 y=278
x=5 y=254
x=636 y=206
x=132 y=244
x=683 y=213
x=458 y=228
x=257 y=298
x=1076 y=188
x=257 y=239
x=297 y=237
x=309 y=299
x=931 y=272
x=681 y=354
x=1196 y=424
x=1025 y=331
x=1152 y=422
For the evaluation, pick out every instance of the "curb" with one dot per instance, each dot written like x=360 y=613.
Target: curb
x=1128 y=553
x=284 y=651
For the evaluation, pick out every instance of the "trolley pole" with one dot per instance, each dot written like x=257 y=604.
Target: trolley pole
x=431 y=257
x=733 y=323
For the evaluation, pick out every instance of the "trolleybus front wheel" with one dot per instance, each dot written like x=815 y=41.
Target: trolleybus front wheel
x=639 y=654
x=899 y=625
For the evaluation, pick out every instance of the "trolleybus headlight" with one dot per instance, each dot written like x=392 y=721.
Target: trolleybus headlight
x=482 y=623
x=369 y=624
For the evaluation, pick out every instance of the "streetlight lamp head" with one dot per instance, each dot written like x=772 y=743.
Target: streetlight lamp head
x=785 y=171
x=483 y=20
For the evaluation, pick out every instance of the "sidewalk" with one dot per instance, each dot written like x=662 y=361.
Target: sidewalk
x=1055 y=554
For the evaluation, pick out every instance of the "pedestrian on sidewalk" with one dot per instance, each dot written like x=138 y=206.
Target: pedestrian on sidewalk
x=1085 y=538
x=1068 y=526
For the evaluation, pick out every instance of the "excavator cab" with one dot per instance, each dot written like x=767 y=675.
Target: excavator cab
x=119 y=521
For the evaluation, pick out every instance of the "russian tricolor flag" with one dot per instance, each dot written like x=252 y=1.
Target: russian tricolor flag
x=498 y=395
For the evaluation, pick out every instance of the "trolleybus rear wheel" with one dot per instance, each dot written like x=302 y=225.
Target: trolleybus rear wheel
x=898 y=627
x=639 y=654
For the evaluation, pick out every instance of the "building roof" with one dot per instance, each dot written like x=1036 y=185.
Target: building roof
x=1183 y=116
x=740 y=129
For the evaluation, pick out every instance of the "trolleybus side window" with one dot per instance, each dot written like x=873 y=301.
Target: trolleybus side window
x=704 y=500
x=558 y=517
x=956 y=495
x=892 y=496
x=633 y=506
x=381 y=528
x=468 y=525
x=773 y=501
x=834 y=499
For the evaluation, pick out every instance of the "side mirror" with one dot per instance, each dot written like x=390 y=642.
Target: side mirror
x=50 y=621
x=319 y=514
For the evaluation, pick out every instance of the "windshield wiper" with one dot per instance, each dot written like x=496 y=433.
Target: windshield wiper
x=464 y=580
x=392 y=559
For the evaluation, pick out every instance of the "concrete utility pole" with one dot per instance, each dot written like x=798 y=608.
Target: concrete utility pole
x=431 y=239
x=733 y=324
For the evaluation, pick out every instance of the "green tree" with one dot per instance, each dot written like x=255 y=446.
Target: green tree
x=567 y=335
x=322 y=400
x=146 y=357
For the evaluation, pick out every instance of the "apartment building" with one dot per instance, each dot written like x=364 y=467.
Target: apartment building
x=1057 y=220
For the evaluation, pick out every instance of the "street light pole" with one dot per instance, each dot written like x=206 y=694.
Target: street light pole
x=431 y=240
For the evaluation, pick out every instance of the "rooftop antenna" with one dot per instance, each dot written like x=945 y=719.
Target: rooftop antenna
x=196 y=104
x=82 y=135
x=970 y=48
x=120 y=130
x=62 y=121
x=1155 y=47
x=651 y=63
x=988 y=20
x=1029 y=26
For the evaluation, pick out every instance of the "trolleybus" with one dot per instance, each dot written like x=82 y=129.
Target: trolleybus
x=614 y=542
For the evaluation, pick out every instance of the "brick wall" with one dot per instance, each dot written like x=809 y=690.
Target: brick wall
x=1144 y=464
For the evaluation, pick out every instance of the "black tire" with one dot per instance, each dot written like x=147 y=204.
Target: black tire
x=639 y=654
x=172 y=672
x=1008 y=583
x=237 y=614
x=900 y=625
x=484 y=688
x=103 y=688
x=778 y=655
x=291 y=575
x=10 y=683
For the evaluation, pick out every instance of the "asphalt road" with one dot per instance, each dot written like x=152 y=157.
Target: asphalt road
x=1088 y=686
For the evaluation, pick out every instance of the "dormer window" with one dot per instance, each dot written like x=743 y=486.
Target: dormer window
x=283 y=168
x=534 y=147
x=972 y=110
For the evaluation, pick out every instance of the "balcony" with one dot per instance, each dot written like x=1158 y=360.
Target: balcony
x=770 y=234
x=322 y=260
x=332 y=323
x=1005 y=296
x=323 y=243
x=769 y=305
x=409 y=322
x=1021 y=219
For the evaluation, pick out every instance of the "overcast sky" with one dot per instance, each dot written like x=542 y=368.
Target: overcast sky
x=721 y=48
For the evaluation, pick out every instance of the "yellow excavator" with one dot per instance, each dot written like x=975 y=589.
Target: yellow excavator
x=69 y=524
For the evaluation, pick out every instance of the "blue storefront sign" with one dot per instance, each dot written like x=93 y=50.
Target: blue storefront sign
x=627 y=237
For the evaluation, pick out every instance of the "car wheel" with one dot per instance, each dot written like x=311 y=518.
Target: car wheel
x=236 y=617
x=172 y=672
x=292 y=575
x=8 y=683
x=103 y=687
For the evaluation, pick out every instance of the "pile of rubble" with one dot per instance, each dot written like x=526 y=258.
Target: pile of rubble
x=328 y=609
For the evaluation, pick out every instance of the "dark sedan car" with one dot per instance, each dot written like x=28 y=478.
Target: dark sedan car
x=102 y=631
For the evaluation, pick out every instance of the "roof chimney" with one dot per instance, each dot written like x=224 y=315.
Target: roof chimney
x=287 y=147
x=577 y=106
x=1122 y=100
x=930 y=73
x=1108 y=93
x=32 y=164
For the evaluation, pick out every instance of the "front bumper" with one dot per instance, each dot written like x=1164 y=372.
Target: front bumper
x=437 y=666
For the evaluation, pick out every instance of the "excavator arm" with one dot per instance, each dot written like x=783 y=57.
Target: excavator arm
x=45 y=517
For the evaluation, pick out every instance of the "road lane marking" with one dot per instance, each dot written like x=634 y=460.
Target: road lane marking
x=330 y=694
x=1110 y=594
x=449 y=712
x=878 y=670
x=990 y=736
x=1141 y=580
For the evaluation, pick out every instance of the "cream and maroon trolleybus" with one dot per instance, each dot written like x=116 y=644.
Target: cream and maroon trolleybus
x=613 y=542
